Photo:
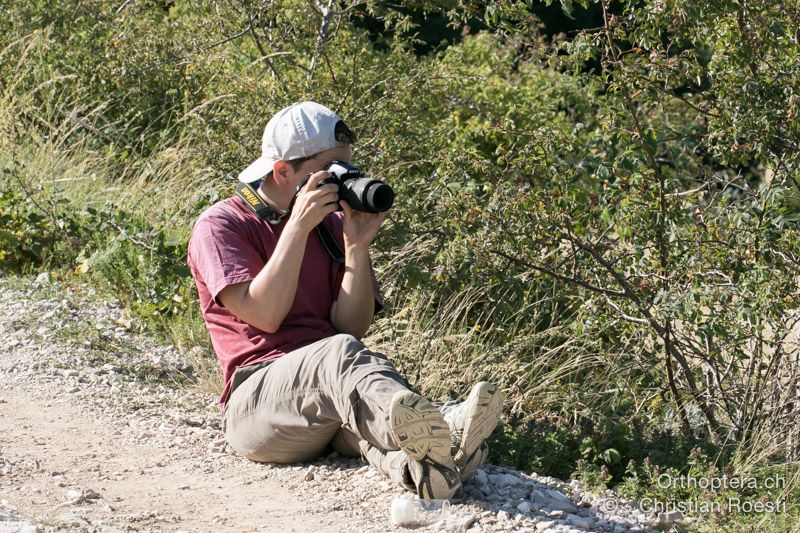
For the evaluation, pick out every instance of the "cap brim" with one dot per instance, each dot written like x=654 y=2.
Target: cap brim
x=257 y=169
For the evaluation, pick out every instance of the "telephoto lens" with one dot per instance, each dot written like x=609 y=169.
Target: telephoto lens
x=360 y=193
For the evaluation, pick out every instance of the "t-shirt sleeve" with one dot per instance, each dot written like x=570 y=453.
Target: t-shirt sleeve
x=222 y=254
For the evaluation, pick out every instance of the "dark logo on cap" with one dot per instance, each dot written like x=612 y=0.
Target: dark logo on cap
x=343 y=134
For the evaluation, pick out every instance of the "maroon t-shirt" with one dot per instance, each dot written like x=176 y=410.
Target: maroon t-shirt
x=230 y=244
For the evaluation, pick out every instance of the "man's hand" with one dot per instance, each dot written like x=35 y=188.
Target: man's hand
x=359 y=227
x=314 y=203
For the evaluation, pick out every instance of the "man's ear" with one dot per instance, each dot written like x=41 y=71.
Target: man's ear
x=280 y=172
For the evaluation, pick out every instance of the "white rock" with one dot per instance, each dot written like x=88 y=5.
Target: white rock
x=579 y=521
x=559 y=501
x=217 y=446
x=670 y=517
x=480 y=478
x=503 y=515
x=507 y=480
x=20 y=527
x=71 y=519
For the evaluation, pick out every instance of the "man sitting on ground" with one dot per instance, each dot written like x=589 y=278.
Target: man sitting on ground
x=285 y=319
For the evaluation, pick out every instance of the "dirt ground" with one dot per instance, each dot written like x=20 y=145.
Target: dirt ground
x=61 y=450
x=102 y=430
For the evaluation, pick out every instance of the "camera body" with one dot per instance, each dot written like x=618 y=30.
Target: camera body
x=360 y=192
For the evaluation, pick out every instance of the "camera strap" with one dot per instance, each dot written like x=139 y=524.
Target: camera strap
x=330 y=243
x=247 y=192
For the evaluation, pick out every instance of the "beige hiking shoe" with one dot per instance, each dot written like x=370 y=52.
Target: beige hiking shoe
x=474 y=461
x=421 y=432
x=433 y=481
x=471 y=422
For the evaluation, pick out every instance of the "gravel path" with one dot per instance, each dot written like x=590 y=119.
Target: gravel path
x=98 y=433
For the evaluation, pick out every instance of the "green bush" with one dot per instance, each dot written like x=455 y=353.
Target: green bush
x=34 y=234
x=144 y=265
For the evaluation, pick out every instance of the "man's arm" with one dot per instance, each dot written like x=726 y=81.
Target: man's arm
x=265 y=301
x=353 y=311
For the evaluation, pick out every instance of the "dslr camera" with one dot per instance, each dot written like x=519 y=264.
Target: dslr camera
x=360 y=192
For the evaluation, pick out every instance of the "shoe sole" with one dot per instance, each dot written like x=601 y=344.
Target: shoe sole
x=483 y=410
x=443 y=488
x=419 y=429
x=473 y=462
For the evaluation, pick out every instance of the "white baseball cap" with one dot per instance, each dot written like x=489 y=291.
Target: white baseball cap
x=301 y=130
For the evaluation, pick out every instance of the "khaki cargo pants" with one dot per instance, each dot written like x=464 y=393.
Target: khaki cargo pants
x=333 y=392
